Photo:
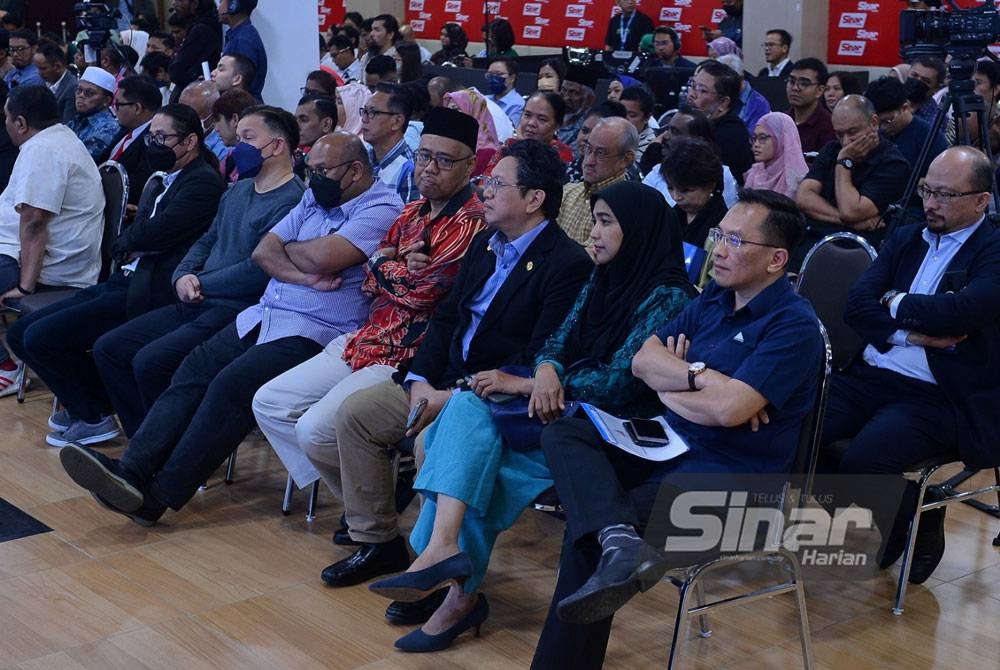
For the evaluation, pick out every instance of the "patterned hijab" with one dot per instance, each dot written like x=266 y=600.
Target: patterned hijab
x=471 y=102
x=353 y=97
x=723 y=45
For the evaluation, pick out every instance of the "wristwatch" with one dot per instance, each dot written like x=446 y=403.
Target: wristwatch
x=846 y=162
x=694 y=370
x=887 y=298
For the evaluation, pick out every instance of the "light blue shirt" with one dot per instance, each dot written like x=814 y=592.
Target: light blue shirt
x=907 y=359
x=512 y=105
x=215 y=144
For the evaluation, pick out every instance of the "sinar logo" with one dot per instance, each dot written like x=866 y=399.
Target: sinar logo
x=453 y=6
x=575 y=34
x=532 y=9
x=670 y=14
x=532 y=32
x=575 y=11
x=416 y=5
x=853 y=20
x=854 y=48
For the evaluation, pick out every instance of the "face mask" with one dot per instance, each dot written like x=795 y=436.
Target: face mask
x=327 y=192
x=495 y=84
x=160 y=157
x=248 y=159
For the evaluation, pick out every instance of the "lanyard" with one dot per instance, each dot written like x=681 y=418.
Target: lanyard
x=624 y=30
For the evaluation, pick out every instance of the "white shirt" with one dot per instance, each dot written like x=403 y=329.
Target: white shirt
x=127 y=141
x=776 y=70
x=54 y=172
x=501 y=121
x=55 y=87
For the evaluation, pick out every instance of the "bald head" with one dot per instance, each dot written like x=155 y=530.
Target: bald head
x=957 y=187
x=437 y=87
x=344 y=147
x=855 y=106
x=200 y=96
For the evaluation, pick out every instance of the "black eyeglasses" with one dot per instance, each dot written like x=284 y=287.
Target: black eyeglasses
x=160 y=138
x=323 y=170
x=119 y=104
x=369 y=113
x=942 y=196
x=444 y=162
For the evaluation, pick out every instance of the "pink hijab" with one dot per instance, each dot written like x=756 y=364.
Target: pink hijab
x=723 y=45
x=787 y=167
x=470 y=102
x=353 y=96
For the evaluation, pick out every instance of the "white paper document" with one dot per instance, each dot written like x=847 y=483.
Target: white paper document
x=612 y=430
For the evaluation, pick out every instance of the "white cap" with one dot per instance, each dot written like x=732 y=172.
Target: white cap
x=100 y=78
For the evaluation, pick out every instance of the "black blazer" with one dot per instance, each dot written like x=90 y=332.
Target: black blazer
x=184 y=213
x=785 y=71
x=967 y=302
x=66 y=97
x=529 y=306
x=133 y=159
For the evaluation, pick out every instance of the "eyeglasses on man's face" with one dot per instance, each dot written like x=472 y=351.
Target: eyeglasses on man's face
x=443 y=161
x=733 y=240
x=159 y=138
x=801 y=84
x=371 y=112
x=323 y=170
x=489 y=186
x=942 y=196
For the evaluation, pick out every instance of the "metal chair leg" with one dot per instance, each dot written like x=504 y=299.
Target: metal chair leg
x=679 y=624
x=313 y=496
x=699 y=591
x=230 y=468
x=800 y=599
x=22 y=381
x=911 y=540
x=286 y=503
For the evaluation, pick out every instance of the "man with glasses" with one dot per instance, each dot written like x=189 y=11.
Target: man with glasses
x=736 y=372
x=805 y=86
x=715 y=90
x=51 y=63
x=201 y=96
x=926 y=383
x=410 y=274
x=94 y=123
x=345 y=62
x=138 y=100
x=21 y=47
x=383 y=125
x=315 y=257
x=517 y=282
x=606 y=109
x=608 y=152
x=777 y=44
x=853 y=179
x=578 y=92
x=501 y=78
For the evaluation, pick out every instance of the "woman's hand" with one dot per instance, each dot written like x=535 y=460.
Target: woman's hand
x=493 y=381
x=547 y=397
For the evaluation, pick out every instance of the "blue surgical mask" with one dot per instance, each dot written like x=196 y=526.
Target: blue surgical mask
x=495 y=84
x=248 y=159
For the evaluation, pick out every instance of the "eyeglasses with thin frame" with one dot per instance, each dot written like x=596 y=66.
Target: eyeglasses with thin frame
x=489 y=185
x=444 y=162
x=369 y=113
x=771 y=45
x=795 y=82
x=760 y=139
x=733 y=240
x=942 y=196
x=160 y=138
x=120 y=104
x=323 y=170
x=700 y=89
x=88 y=92
x=600 y=153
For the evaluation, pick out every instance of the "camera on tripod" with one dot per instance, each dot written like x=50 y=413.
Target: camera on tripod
x=960 y=33
x=99 y=19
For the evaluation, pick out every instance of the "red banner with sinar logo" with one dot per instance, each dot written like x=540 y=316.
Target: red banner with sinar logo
x=331 y=12
x=557 y=23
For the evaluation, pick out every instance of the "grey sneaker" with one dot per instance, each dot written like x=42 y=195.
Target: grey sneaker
x=59 y=421
x=81 y=432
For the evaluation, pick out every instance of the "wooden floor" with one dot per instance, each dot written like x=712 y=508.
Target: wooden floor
x=231 y=583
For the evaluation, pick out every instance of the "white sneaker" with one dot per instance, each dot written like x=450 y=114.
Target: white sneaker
x=8 y=380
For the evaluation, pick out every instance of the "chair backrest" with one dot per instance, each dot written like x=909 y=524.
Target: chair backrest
x=827 y=274
x=114 y=183
x=812 y=425
x=694 y=259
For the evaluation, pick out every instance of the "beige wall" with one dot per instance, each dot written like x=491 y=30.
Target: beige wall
x=799 y=17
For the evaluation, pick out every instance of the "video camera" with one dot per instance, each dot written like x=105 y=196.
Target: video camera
x=960 y=33
x=99 y=19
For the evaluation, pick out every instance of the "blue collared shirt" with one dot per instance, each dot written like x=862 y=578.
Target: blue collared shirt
x=396 y=170
x=245 y=40
x=773 y=345
x=97 y=130
x=910 y=360
x=288 y=310
x=214 y=143
x=25 y=76
x=512 y=105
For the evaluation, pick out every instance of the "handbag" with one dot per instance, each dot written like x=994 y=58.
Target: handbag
x=510 y=415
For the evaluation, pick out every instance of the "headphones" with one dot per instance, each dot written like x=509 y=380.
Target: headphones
x=238 y=6
x=676 y=38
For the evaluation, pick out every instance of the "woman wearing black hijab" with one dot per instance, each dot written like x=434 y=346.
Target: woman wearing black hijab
x=474 y=486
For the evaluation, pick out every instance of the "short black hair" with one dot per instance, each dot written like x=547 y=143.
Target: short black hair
x=935 y=64
x=539 y=166
x=113 y=56
x=142 y=90
x=503 y=35
x=727 y=80
x=639 y=93
x=785 y=225
x=351 y=34
x=325 y=80
x=557 y=64
x=784 y=35
x=848 y=81
x=555 y=101
x=691 y=162
x=234 y=101
x=887 y=94
x=326 y=107
x=390 y=24
x=353 y=17
x=381 y=65
x=699 y=125
x=667 y=30
x=508 y=63
x=420 y=97
x=37 y=104
x=155 y=61
x=399 y=101
x=607 y=109
x=244 y=67
x=990 y=70
x=278 y=121
x=165 y=37
x=343 y=41
x=30 y=37
x=52 y=53
x=816 y=65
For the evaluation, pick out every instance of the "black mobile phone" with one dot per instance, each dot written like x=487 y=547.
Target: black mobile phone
x=647 y=432
x=415 y=413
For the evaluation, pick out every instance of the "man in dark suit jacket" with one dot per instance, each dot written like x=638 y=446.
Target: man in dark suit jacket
x=926 y=383
x=137 y=102
x=55 y=341
x=517 y=282
x=51 y=63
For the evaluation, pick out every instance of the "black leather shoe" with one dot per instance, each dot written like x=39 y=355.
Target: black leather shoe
x=929 y=547
x=415 y=613
x=342 y=536
x=621 y=573
x=368 y=562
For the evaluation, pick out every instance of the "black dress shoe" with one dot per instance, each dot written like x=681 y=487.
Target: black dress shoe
x=622 y=573
x=368 y=562
x=146 y=516
x=929 y=547
x=342 y=536
x=415 y=613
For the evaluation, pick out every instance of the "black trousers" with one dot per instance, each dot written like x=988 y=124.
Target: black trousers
x=599 y=486
x=56 y=341
x=205 y=412
x=137 y=359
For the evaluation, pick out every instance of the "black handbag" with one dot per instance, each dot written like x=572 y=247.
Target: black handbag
x=510 y=415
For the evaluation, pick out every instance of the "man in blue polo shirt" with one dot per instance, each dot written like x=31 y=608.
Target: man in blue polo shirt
x=737 y=373
x=242 y=38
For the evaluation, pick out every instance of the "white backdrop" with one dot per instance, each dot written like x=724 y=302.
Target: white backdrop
x=290 y=31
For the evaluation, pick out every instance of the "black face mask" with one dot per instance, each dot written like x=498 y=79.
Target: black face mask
x=327 y=192
x=160 y=157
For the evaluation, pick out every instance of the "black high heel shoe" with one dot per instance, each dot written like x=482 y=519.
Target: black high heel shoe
x=413 y=586
x=418 y=641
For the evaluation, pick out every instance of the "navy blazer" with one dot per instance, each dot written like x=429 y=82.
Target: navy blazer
x=529 y=306
x=967 y=302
